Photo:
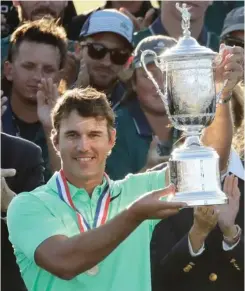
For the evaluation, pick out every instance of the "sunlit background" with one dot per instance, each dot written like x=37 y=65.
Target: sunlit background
x=83 y=6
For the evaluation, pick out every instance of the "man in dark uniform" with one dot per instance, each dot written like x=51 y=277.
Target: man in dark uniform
x=26 y=158
x=218 y=263
x=21 y=170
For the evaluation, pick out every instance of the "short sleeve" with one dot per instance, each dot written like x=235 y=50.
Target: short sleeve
x=30 y=223
x=157 y=179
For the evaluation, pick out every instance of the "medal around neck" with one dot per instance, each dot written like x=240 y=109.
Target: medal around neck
x=190 y=99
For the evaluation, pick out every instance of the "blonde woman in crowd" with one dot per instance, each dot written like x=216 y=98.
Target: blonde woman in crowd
x=236 y=165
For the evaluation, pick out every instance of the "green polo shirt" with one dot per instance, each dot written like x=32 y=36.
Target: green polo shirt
x=35 y=216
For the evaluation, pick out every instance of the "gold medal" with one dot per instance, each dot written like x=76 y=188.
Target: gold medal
x=93 y=271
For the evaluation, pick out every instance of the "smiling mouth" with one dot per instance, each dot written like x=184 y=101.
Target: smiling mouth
x=87 y=159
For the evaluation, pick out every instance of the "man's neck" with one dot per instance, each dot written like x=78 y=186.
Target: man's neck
x=88 y=185
x=173 y=25
x=159 y=125
x=108 y=90
x=25 y=111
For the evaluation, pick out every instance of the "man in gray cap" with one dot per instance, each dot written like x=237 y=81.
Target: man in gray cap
x=233 y=29
x=106 y=42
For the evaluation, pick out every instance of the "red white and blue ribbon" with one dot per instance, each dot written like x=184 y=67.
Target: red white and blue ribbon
x=102 y=208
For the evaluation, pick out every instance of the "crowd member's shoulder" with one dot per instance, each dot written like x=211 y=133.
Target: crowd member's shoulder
x=22 y=148
x=26 y=158
x=139 y=35
x=4 y=48
x=122 y=114
x=124 y=122
x=121 y=161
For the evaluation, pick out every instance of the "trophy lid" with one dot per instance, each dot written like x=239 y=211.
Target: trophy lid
x=187 y=46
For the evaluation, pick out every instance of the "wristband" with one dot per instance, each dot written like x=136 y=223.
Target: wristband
x=234 y=239
x=226 y=100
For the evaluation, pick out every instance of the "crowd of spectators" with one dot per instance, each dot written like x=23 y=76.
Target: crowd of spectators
x=76 y=103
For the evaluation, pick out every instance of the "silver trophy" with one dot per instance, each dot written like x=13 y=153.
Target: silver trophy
x=190 y=102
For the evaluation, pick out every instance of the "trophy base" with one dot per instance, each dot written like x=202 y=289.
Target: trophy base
x=200 y=198
x=194 y=170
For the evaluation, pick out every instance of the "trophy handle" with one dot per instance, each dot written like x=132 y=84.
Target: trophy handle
x=149 y=74
x=163 y=95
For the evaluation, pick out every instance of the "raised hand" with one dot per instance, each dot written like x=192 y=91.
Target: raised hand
x=6 y=193
x=231 y=68
x=83 y=79
x=69 y=73
x=47 y=96
x=140 y=23
x=205 y=218
x=156 y=205
x=228 y=212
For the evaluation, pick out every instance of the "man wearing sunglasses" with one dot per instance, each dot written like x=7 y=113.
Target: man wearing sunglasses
x=233 y=29
x=106 y=42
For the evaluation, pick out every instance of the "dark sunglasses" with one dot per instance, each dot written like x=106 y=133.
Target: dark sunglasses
x=98 y=51
x=231 y=41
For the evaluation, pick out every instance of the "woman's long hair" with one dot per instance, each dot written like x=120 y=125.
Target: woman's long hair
x=238 y=117
x=238 y=141
x=238 y=104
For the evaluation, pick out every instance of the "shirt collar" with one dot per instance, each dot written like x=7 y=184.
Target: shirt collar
x=141 y=123
x=144 y=129
x=157 y=28
x=73 y=189
x=117 y=95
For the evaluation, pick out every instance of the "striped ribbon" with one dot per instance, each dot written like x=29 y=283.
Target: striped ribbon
x=102 y=207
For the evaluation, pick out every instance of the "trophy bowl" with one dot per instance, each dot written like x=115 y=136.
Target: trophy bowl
x=190 y=100
x=190 y=88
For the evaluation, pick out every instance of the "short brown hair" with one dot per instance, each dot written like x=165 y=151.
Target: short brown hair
x=86 y=102
x=45 y=31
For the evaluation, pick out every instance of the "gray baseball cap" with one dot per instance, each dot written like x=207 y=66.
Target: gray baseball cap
x=234 y=21
x=109 y=20
x=158 y=44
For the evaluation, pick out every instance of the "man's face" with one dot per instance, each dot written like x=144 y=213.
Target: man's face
x=234 y=38
x=197 y=10
x=146 y=92
x=104 y=72
x=32 y=62
x=83 y=144
x=33 y=10
x=239 y=34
